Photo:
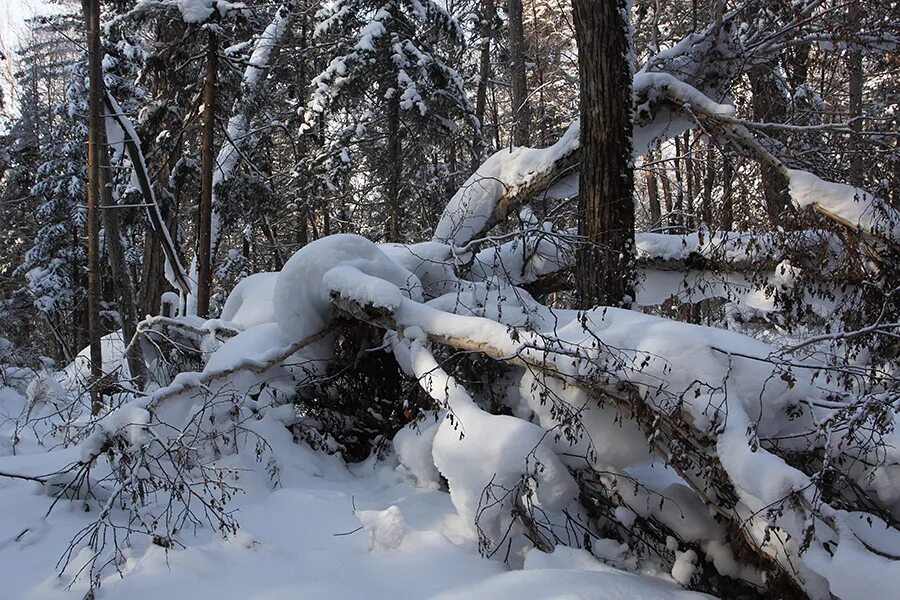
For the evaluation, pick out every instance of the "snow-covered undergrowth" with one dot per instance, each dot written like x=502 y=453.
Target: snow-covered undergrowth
x=610 y=435
x=599 y=453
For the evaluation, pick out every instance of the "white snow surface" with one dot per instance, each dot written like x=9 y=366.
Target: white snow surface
x=472 y=205
x=251 y=301
x=300 y=540
x=855 y=206
x=303 y=304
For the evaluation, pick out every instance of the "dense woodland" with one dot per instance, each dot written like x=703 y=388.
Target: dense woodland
x=535 y=252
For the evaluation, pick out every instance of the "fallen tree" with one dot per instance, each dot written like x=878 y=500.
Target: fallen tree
x=712 y=456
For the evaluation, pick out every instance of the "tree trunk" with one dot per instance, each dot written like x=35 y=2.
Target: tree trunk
x=726 y=221
x=92 y=19
x=604 y=269
x=121 y=279
x=689 y=220
x=770 y=105
x=709 y=181
x=652 y=192
x=667 y=197
x=855 y=70
x=395 y=166
x=207 y=164
x=521 y=111
x=677 y=219
x=484 y=73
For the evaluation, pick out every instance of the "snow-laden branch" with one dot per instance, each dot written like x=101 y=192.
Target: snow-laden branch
x=707 y=433
x=851 y=206
x=237 y=130
x=120 y=130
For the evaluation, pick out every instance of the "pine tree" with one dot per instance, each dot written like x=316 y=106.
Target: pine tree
x=389 y=95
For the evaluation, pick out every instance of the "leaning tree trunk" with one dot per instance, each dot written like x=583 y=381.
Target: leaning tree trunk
x=92 y=18
x=604 y=269
x=121 y=278
x=207 y=165
x=521 y=110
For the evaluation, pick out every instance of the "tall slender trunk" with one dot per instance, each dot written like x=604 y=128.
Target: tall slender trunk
x=770 y=105
x=92 y=18
x=604 y=266
x=652 y=191
x=667 y=197
x=678 y=215
x=521 y=109
x=709 y=182
x=121 y=278
x=689 y=181
x=726 y=220
x=855 y=71
x=301 y=233
x=395 y=164
x=484 y=74
x=207 y=165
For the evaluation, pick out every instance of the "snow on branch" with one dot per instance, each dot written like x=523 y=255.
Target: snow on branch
x=120 y=127
x=846 y=204
x=237 y=130
x=707 y=434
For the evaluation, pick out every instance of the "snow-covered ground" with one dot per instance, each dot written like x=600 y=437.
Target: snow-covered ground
x=303 y=539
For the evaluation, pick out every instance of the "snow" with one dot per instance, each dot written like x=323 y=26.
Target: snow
x=852 y=205
x=198 y=11
x=237 y=130
x=303 y=304
x=570 y=574
x=296 y=541
x=479 y=453
x=472 y=205
x=386 y=527
x=251 y=301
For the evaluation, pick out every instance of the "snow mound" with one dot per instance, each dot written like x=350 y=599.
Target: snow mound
x=386 y=527
x=251 y=302
x=302 y=301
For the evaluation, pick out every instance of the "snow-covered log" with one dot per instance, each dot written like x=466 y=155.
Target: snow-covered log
x=709 y=436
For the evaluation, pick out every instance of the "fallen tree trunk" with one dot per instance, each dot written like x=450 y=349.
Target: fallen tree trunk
x=690 y=451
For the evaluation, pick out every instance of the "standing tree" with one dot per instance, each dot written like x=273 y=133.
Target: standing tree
x=521 y=111
x=204 y=214
x=606 y=181
x=95 y=68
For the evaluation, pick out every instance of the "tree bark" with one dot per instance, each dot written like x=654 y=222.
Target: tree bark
x=204 y=216
x=709 y=182
x=770 y=105
x=652 y=191
x=855 y=70
x=605 y=263
x=395 y=166
x=92 y=19
x=726 y=221
x=121 y=279
x=521 y=110
x=484 y=73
